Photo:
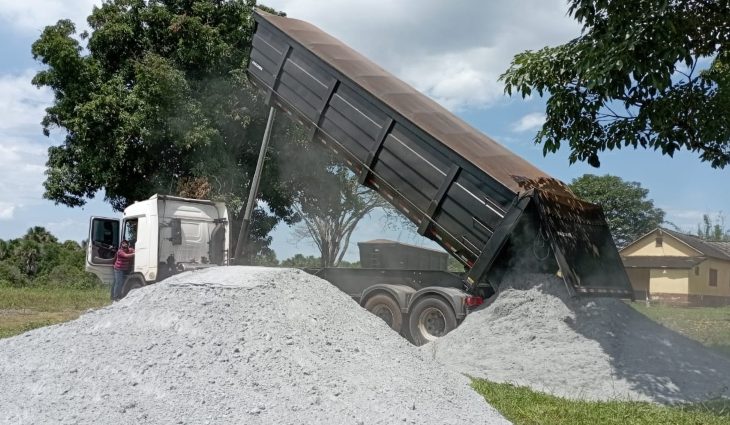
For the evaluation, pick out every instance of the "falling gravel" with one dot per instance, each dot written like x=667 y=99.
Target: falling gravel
x=230 y=345
x=534 y=334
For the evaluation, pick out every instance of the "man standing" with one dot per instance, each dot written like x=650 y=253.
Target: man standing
x=122 y=266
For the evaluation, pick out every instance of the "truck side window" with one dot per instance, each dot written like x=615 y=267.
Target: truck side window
x=130 y=231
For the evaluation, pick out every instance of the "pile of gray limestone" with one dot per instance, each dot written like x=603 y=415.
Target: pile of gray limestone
x=534 y=334
x=230 y=345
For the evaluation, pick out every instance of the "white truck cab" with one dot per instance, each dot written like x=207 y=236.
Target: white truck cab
x=169 y=234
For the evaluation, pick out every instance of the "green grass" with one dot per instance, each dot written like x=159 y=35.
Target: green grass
x=523 y=406
x=708 y=325
x=23 y=309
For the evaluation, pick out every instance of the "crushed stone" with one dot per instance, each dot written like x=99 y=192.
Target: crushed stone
x=230 y=345
x=534 y=334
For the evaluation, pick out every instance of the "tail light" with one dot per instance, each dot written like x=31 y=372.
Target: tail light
x=473 y=301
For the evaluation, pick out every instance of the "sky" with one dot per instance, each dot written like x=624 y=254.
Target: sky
x=452 y=51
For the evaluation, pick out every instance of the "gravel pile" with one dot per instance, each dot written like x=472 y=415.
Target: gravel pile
x=230 y=345
x=535 y=335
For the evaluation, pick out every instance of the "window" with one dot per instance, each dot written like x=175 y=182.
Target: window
x=104 y=241
x=130 y=231
x=697 y=271
x=659 y=242
x=713 y=277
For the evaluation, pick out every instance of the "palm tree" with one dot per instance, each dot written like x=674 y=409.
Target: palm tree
x=28 y=252
x=40 y=234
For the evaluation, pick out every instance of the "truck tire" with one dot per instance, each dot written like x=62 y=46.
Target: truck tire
x=430 y=318
x=132 y=282
x=385 y=307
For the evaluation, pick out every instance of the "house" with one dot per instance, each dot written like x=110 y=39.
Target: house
x=675 y=268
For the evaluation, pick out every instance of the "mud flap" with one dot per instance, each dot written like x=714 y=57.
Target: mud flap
x=582 y=245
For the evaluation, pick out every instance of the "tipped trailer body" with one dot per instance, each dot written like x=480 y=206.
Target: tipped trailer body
x=484 y=205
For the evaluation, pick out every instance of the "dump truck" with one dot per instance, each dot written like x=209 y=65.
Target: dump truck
x=172 y=234
x=487 y=207
x=407 y=286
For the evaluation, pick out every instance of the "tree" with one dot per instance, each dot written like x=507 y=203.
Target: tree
x=310 y=261
x=156 y=100
x=28 y=254
x=266 y=258
x=330 y=208
x=628 y=211
x=631 y=79
x=299 y=260
x=40 y=234
x=713 y=230
x=5 y=249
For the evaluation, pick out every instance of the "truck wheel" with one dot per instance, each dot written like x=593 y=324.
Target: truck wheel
x=132 y=282
x=385 y=307
x=430 y=319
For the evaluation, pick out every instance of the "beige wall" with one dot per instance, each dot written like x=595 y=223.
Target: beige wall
x=671 y=247
x=639 y=279
x=668 y=281
x=700 y=285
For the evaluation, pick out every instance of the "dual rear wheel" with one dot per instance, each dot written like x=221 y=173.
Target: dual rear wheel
x=431 y=317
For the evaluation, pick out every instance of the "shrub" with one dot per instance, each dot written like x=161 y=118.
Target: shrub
x=10 y=275
x=69 y=276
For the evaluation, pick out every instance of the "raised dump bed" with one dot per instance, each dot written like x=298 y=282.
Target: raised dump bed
x=485 y=205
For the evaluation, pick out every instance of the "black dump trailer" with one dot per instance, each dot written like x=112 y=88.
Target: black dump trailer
x=486 y=206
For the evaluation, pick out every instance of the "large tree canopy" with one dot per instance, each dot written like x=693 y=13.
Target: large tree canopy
x=155 y=100
x=629 y=213
x=631 y=79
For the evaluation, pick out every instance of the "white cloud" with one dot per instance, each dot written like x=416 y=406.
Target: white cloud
x=23 y=165
x=529 y=122
x=453 y=51
x=22 y=105
x=6 y=210
x=31 y=16
x=23 y=148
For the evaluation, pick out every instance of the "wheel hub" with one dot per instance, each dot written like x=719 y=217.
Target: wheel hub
x=432 y=323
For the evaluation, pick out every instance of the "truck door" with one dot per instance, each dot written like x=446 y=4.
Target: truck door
x=102 y=246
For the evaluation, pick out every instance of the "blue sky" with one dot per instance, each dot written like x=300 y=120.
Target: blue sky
x=453 y=51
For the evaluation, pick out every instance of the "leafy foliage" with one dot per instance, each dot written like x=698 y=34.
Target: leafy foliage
x=38 y=259
x=628 y=211
x=310 y=261
x=631 y=80
x=155 y=100
x=332 y=206
x=267 y=259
